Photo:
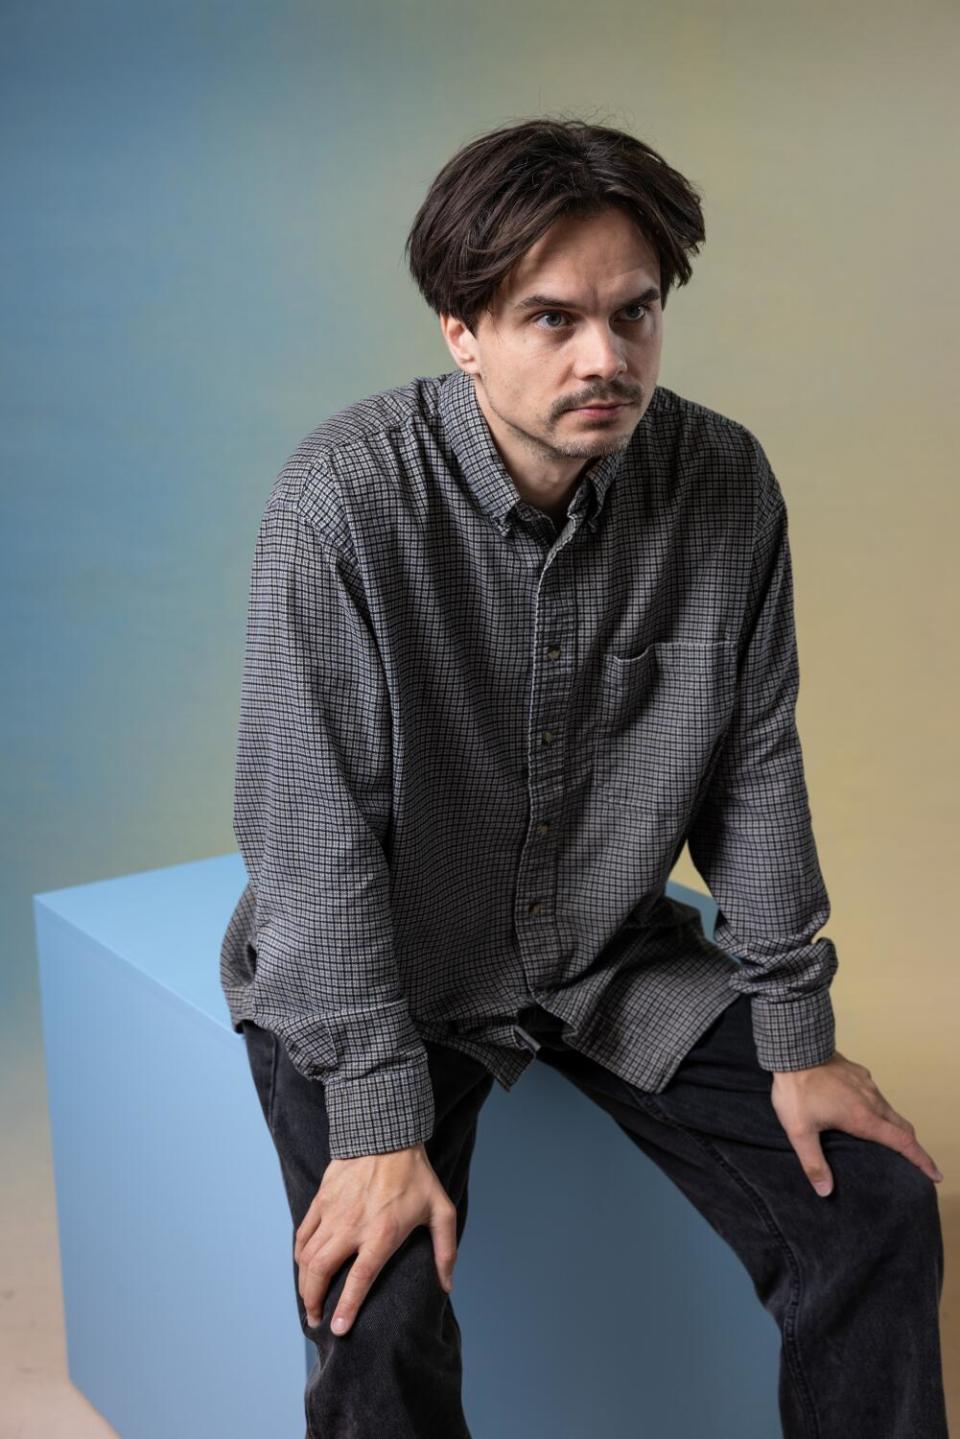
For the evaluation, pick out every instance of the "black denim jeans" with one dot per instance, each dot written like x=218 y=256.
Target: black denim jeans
x=853 y=1280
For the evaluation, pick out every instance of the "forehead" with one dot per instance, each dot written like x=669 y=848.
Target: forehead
x=606 y=251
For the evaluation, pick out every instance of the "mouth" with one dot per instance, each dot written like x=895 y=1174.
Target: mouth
x=597 y=410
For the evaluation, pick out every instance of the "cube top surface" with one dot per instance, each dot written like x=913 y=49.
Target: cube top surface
x=167 y=923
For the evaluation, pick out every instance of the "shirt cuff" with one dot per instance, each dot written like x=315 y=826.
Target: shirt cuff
x=389 y=1109
x=793 y=1034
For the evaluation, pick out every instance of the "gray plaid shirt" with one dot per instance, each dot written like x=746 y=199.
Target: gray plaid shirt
x=472 y=745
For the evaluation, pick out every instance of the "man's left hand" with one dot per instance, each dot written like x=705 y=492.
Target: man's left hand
x=840 y=1094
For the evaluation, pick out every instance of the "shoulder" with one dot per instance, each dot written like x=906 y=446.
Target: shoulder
x=358 y=449
x=696 y=424
x=714 y=447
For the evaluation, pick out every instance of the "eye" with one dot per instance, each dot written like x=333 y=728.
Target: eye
x=547 y=314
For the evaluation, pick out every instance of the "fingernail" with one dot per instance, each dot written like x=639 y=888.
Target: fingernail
x=823 y=1186
x=936 y=1173
x=312 y=1320
x=339 y=1324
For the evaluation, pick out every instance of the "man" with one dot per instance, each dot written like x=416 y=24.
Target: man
x=516 y=634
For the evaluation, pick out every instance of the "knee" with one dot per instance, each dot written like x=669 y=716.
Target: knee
x=404 y=1303
x=398 y=1363
x=900 y=1206
x=915 y=1201
x=909 y=1195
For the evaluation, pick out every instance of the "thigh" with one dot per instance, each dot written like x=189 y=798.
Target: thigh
x=714 y=1132
x=847 y=1277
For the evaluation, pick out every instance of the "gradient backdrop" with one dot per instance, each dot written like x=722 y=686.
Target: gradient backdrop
x=205 y=208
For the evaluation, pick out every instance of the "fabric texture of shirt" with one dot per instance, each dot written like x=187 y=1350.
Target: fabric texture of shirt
x=473 y=742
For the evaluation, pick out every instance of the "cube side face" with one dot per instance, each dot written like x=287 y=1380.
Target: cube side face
x=174 y=1232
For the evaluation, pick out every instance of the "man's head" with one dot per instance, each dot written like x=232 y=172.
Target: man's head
x=548 y=250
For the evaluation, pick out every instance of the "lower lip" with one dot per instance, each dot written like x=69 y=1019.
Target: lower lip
x=605 y=413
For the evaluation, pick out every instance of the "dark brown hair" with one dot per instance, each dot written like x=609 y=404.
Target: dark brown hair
x=500 y=192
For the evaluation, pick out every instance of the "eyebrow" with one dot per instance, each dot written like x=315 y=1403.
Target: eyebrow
x=548 y=302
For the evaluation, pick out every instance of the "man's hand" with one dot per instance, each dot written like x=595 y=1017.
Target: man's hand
x=367 y=1206
x=840 y=1094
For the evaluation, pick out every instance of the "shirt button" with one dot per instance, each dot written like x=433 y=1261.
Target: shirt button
x=543 y=826
x=547 y=737
x=553 y=652
x=534 y=907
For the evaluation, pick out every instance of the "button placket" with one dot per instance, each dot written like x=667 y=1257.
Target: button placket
x=550 y=688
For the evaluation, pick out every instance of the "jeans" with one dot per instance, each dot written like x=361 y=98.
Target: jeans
x=853 y=1280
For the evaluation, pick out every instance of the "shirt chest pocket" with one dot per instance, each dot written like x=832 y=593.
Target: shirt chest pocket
x=662 y=713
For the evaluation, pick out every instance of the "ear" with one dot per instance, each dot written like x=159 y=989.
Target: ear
x=460 y=342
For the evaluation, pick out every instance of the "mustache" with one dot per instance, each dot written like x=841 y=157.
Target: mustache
x=604 y=400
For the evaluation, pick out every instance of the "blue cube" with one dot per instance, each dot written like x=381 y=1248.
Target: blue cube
x=593 y=1299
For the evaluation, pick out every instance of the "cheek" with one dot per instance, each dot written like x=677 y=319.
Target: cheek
x=527 y=384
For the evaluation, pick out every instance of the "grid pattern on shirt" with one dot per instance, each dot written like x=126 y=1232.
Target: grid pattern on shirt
x=473 y=742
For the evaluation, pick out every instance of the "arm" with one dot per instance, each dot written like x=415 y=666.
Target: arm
x=312 y=805
x=752 y=838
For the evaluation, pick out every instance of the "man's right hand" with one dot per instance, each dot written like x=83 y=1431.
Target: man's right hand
x=367 y=1206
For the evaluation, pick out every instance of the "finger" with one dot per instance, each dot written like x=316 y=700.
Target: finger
x=806 y=1144
x=317 y=1269
x=363 y=1271
x=308 y=1226
x=898 y=1133
x=443 y=1230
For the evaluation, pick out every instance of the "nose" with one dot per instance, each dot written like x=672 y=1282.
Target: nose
x=600 y=354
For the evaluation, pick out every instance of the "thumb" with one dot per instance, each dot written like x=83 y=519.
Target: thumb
x=443 y=1230
x=815 y=1167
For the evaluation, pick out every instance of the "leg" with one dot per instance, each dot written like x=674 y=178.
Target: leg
x=853 y=1280
x=397 y=1372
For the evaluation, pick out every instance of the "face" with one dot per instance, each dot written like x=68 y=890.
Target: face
x=578 y=320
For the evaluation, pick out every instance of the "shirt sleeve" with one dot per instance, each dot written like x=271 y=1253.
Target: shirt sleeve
x=752 y=836
x=311 y=813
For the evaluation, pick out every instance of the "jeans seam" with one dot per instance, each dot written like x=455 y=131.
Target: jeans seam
x=792 y=1343
x=271 y=1091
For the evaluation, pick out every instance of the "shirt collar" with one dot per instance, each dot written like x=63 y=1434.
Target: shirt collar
x=468 y=433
